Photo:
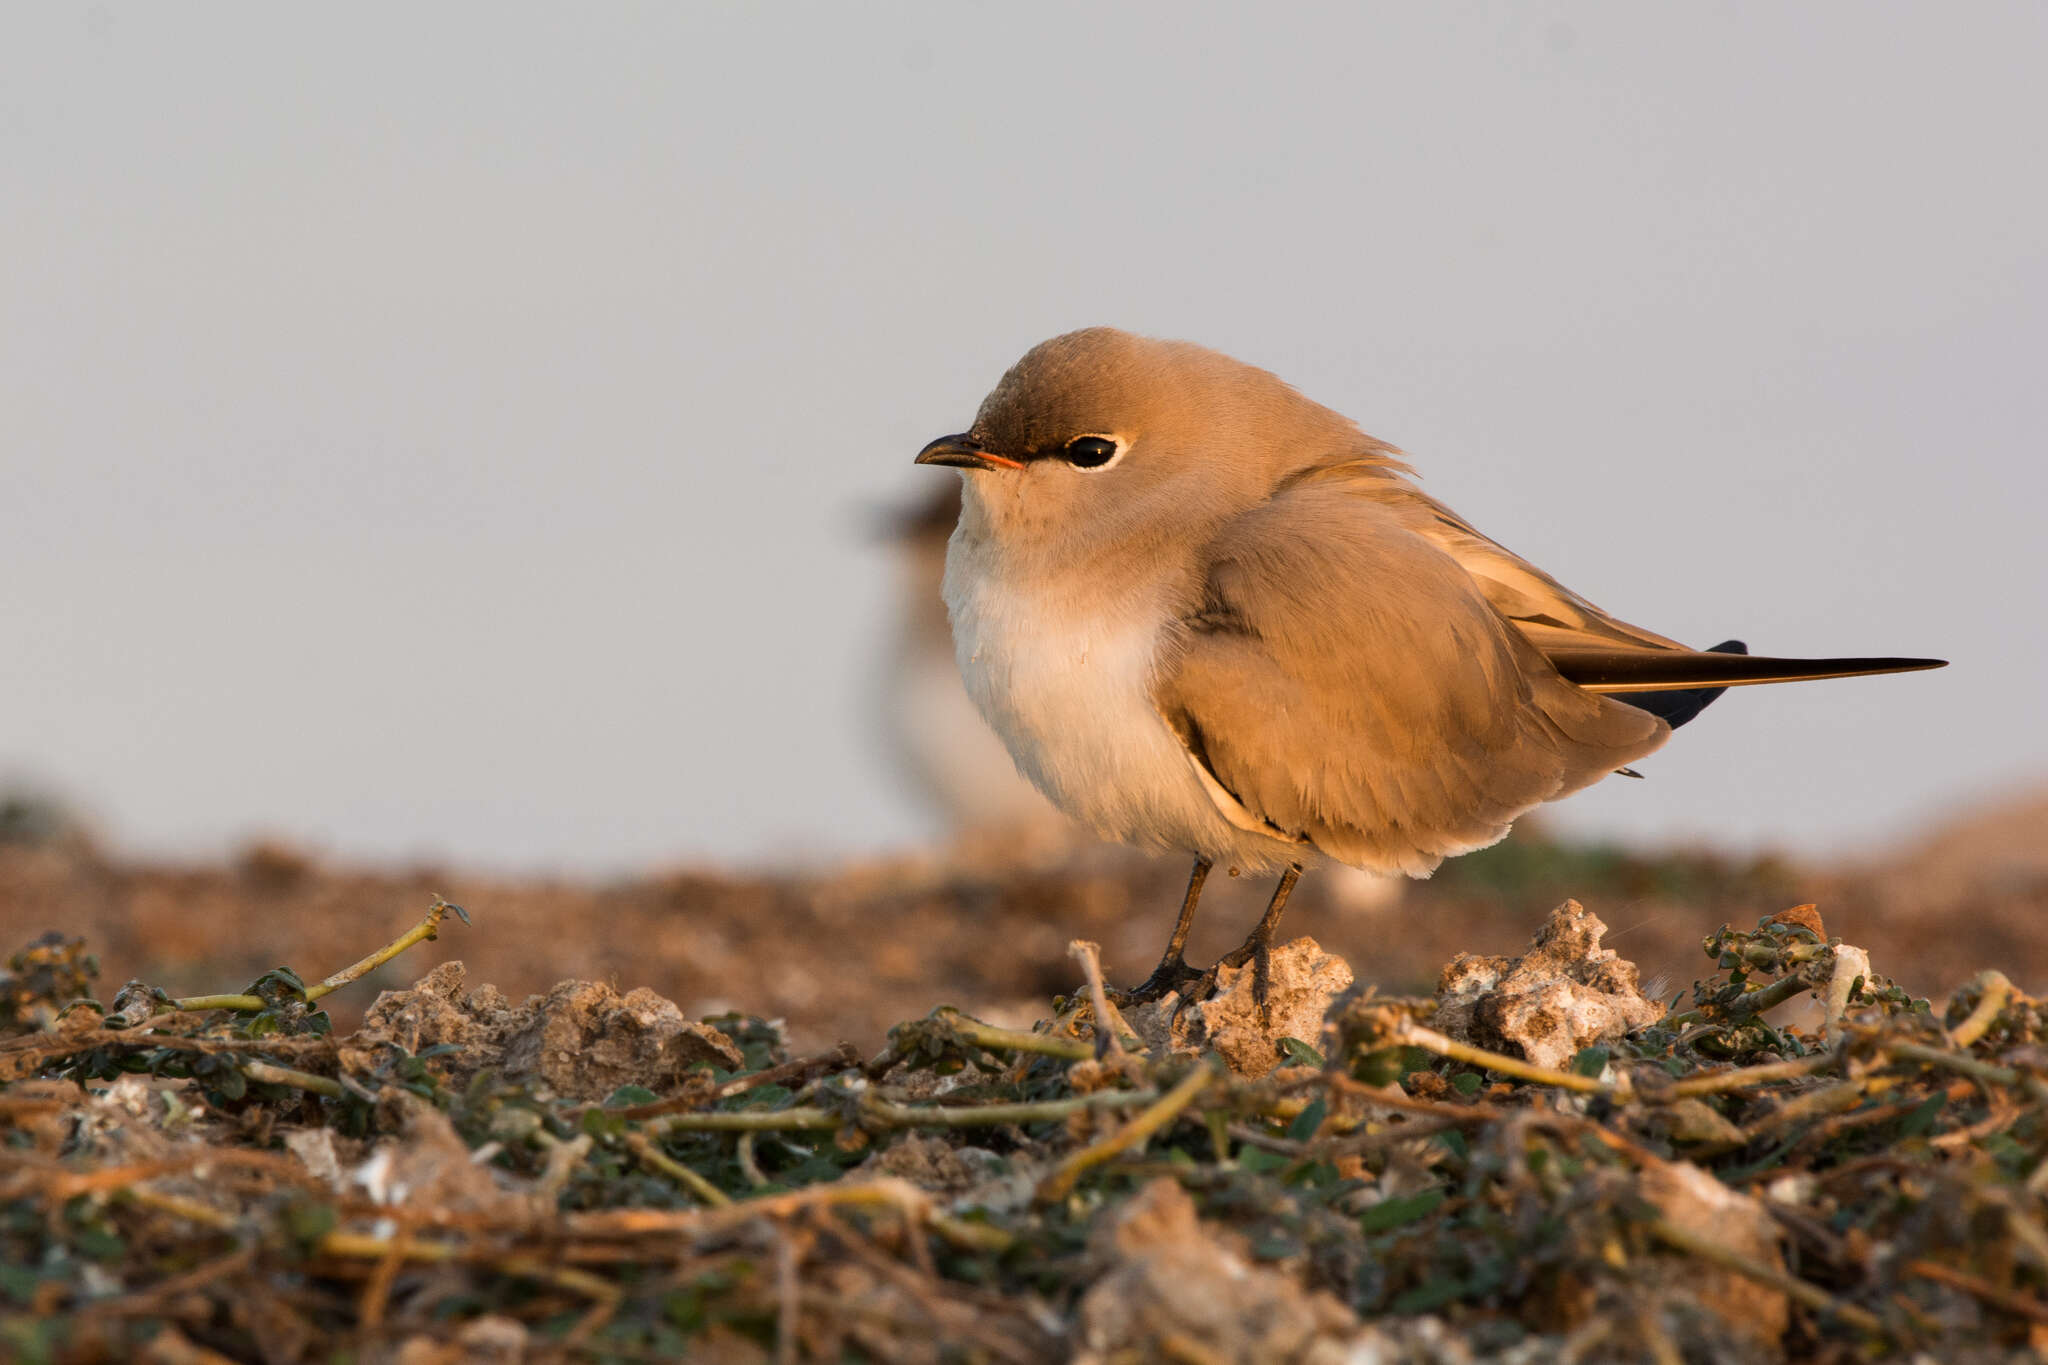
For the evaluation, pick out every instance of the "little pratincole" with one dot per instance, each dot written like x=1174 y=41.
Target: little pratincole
x=1206 y=614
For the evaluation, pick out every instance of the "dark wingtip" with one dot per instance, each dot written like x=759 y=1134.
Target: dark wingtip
x=1676 y=708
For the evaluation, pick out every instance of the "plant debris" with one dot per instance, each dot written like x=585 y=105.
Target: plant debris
x=1795 y=1159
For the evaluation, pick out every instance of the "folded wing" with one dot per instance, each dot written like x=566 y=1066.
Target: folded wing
x=1599 y=652
x=1345 y=681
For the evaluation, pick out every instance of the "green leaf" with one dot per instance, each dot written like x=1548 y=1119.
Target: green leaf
x=1921 y=1121
x=99 y=1244
x=1430 y=1294
x=627 y=1096
x=18 y=1282
x=1467 y=1082
x=308 y=1221
x=1399 y=1212
x=1591 y=1061
x=1260 y=1161
x=1308 y=1120
x=1298 y=1053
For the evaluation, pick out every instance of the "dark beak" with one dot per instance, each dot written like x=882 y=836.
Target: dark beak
x=964 y=452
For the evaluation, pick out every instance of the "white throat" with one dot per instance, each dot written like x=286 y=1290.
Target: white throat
x=1062 y=667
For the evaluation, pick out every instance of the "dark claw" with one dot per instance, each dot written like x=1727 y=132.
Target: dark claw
x=1172 y=974
x=1259 y=953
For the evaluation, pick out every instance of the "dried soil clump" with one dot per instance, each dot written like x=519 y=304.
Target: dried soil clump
x=582 y=1040
x=1171 y=1289
x=1304 y=982
x=1564 y=994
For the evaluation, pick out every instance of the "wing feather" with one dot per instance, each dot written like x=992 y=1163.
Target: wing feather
x=1345 y=681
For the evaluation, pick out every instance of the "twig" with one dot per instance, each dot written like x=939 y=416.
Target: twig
x=1828 y=1099
x=426 y=929
x=974 y=1031
x=1056 y=1186
x=191 y=1210
x=652 y=1156
x=1415 y=1035
x=1969 y=1066
x=788 y=1305
x=1998 y=993
x=268 y=1074
x=362 y=1246
x=1089 y=955
x=886 y=1192
x=151 y=1301
x=2017 y=1304
x=1741 y=1078
x=743 y=1152
x=887 y=1113
x=1812 y=1296
x=1390 y=1097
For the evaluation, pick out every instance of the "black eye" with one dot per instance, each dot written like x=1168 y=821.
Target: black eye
x=1090 y=452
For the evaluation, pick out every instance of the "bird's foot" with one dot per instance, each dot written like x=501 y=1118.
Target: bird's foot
x=1173 y=974
x=1258 y=951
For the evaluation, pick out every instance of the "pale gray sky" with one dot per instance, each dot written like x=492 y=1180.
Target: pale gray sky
x=453 y=430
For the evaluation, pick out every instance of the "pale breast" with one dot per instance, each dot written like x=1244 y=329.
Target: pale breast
x=1069 y=691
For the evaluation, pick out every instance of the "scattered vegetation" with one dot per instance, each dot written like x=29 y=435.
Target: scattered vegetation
x=1796 y=1159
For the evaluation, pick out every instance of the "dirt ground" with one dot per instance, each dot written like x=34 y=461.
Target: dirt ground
x=1554 y=1132
x=846 y=954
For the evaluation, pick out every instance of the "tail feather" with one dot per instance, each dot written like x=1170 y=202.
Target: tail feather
x=1633 y=671
x=1675 y=708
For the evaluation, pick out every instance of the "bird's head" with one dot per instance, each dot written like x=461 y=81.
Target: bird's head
x=1098 y=437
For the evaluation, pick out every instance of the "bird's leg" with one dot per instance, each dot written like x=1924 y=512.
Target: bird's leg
x=1258 y=949
x=1173 y=971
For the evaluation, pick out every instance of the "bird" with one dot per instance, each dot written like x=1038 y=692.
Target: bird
x=1206 y=614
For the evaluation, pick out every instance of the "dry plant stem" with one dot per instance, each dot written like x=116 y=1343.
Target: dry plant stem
x=1741 y=1078
x=1015 y=1040
x=969 y=1236
x=1998 y=993
x=1969 y=1066
x=788 y=1306
x=743 y=1153
x=893 y=1115
x=1430 y=1040
x=1108 y=1026
x=1812 y=1296
x=1747 y=1007
x=1056 y=1186
x=1405 y=1103
x=191 y=1210
x=426 y=929
x=1768 y=998
x=885 y=1193
x=2018 y=1304
x=655 y=1159
x=150 y=1302
x=1829 y=1099
x=361 y=1246
x=284 y=1075
x=241 y=1004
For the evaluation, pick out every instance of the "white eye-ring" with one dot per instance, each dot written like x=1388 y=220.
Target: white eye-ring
x=1092 y=453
